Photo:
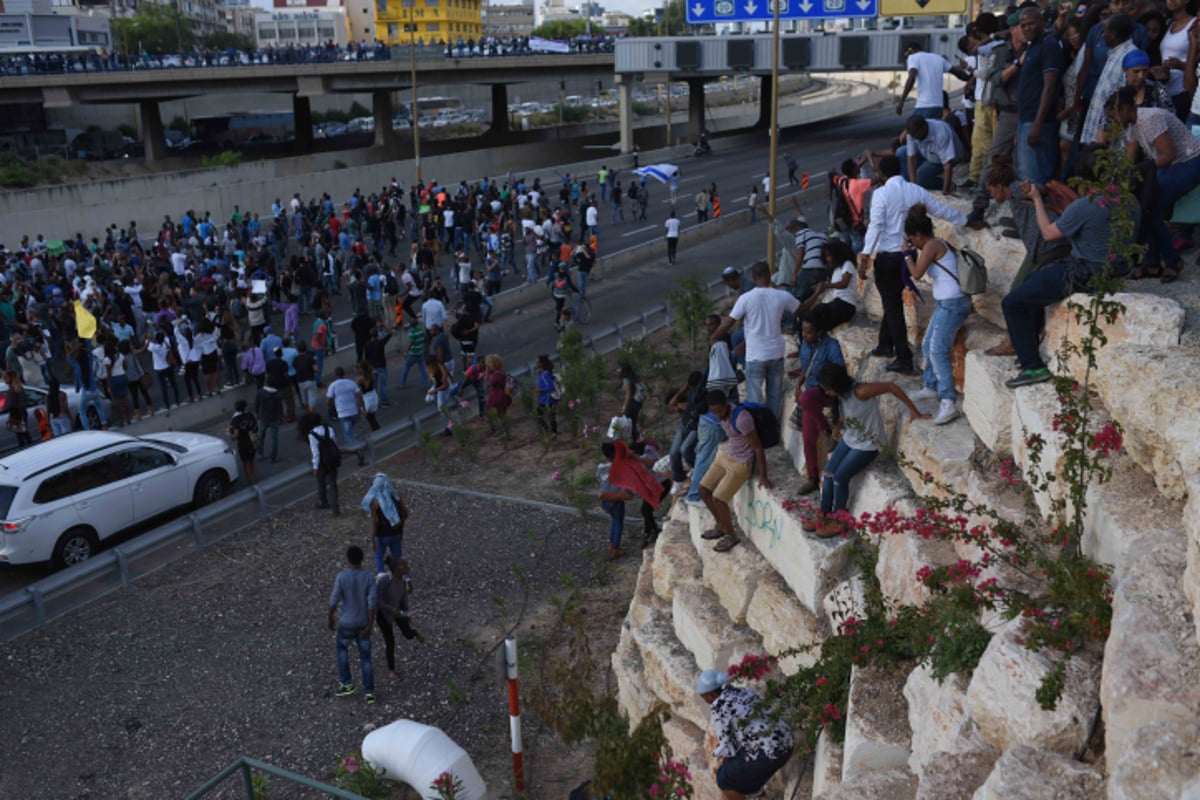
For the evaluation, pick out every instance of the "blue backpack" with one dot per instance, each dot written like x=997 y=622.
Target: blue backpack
x=765 y=423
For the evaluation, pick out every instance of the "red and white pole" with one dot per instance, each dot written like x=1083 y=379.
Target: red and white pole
x=514 y=712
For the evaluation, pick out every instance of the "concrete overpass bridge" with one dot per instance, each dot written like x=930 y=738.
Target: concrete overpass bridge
x=693 y=59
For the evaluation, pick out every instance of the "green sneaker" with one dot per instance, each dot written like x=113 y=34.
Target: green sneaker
x=344 y=690
x=370 y=698
x=1028 y=377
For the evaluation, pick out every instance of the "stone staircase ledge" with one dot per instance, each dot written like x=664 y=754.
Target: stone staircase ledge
x=676 y=562
x=703 y=627
x=987 y=402
x=878 y=738
x=1024 y=773
x=784 y=623
x=733 y=575
x=940 y=723
x=632 y=695
x=896 y=784
x=669 y=670
x=1119 y=521
x=1151 y=670
x=1163 y=761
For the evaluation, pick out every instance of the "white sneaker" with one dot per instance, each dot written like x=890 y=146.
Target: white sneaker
x=947 y=412
x=924 y=393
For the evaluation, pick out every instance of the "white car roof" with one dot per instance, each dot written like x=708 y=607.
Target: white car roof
x=17 y=466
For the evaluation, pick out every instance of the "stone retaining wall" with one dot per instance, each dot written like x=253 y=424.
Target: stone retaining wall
x=983 y=735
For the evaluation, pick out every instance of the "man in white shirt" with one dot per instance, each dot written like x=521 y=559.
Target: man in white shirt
x=882 y=247
x=178 y=263
x=926 y=70
x=592 y=217
x=932 y=151
x=433 y=312
x=672 y=226
x=761 y=311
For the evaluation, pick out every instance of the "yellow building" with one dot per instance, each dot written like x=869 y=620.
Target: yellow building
x=435 y=20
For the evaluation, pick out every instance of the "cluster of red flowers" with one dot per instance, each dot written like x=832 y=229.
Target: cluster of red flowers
x=1107 y=440
x=674 y=781
x=752 y=667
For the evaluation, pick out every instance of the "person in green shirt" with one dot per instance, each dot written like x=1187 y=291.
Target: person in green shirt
x=602 y=178
x=415 y=356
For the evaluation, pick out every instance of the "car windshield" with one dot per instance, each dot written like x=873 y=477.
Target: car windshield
x=7 y=493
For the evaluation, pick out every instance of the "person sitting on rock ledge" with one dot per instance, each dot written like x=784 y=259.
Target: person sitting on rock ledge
x=1085 y=223
x=748 y=746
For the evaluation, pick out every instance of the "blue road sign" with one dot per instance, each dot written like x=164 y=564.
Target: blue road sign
x=710 y=12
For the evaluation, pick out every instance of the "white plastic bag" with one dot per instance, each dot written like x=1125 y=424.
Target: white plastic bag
x=620 y=428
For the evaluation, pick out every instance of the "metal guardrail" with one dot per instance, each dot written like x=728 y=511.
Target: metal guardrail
x=247 y=766
x=75 y=587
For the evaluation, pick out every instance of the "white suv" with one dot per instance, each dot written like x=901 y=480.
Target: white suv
x=60 y=499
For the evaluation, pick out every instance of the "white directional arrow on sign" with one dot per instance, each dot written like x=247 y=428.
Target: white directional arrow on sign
x=751 y=8
x=806 y=6
x=698 y=10
x=863 y=5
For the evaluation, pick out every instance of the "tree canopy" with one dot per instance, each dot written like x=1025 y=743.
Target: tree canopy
x=564 y=29
x=676 y=24
x=153 y=28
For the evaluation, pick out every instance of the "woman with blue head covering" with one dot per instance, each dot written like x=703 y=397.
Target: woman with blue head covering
x=383 y=504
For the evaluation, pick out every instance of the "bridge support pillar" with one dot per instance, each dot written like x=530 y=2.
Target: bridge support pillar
x=152 y=130
x=302 y=116
x=499 y=110
x=695 y=107
x=766 y=88
x=381 y=107
x=625 y=111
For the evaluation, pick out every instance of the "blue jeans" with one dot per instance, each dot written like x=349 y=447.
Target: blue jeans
x=616 y=524
x=929 y=174
x=348 y=428
x=948 y=317
x=772 y=373
x=306 y=293
x=393 y=545
x=418 y=362
x=683 y=447
x=928 y=112
x=166 y=377
x=708 y=435
x=1174 y=182
x=381 y=378
x=272 y=428
x=844 y=463
x=91 y=397
x=1037 y=164
x=320 y=356
x=583 y=281
x=1025 y=306
x=342 y=644
x=618 y=210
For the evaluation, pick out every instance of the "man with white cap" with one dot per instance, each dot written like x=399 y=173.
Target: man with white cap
x=750 y=748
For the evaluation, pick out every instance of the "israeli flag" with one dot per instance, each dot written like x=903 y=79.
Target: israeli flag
x=660 y=172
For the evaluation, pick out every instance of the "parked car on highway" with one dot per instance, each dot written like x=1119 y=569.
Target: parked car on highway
x=61 y=499
x=35 y=396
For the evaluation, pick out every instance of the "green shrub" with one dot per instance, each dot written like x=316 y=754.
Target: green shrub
x=226 y=158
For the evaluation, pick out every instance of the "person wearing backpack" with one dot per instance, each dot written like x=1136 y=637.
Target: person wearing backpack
x=326 y=459
x=934 y=257
x=859 y=432
x=550 y=392
x=731 y=469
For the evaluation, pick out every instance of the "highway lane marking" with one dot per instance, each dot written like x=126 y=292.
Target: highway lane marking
x=640 y=230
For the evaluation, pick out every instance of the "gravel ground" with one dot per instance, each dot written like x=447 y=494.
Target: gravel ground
x=1186 y=291
x=156 y=688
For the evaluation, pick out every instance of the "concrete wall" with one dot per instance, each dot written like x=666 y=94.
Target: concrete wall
x=60 y=211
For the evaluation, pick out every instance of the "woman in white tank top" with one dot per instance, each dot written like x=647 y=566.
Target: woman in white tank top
x=934 y=257
x=1174 y=50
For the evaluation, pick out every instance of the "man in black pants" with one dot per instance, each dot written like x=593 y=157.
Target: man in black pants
x=883 y=245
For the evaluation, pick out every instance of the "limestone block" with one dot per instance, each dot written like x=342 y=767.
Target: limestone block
x=1191 y=522
x=1025 y=773
x=1001 y=701
x=894 y=784
x=827 y=766
x=632 y=695
x=955 y=776
x=703 y=627
x=1152 y=391
x=857 y=340
x=646 y=607
x=732 y=575
x=1119 y=518
x=877 y=488
x=938 y=719
x=669 y=671
x=1151 y=669
x=1148 y=319
x=987 y=402
x=877 y=734
x=676 y=562
x=900 y=556
x=979 y=334
x=846 y=599
x=1161 y=760
x=687 y=747
x=809 y=565
x=783 y=622
x=1033 y=413
x=941 y=452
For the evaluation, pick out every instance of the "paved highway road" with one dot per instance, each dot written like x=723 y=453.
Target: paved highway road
x=523 y=326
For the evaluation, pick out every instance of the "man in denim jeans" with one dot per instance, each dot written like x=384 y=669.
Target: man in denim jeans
x=761 y=312
x=354 y=591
